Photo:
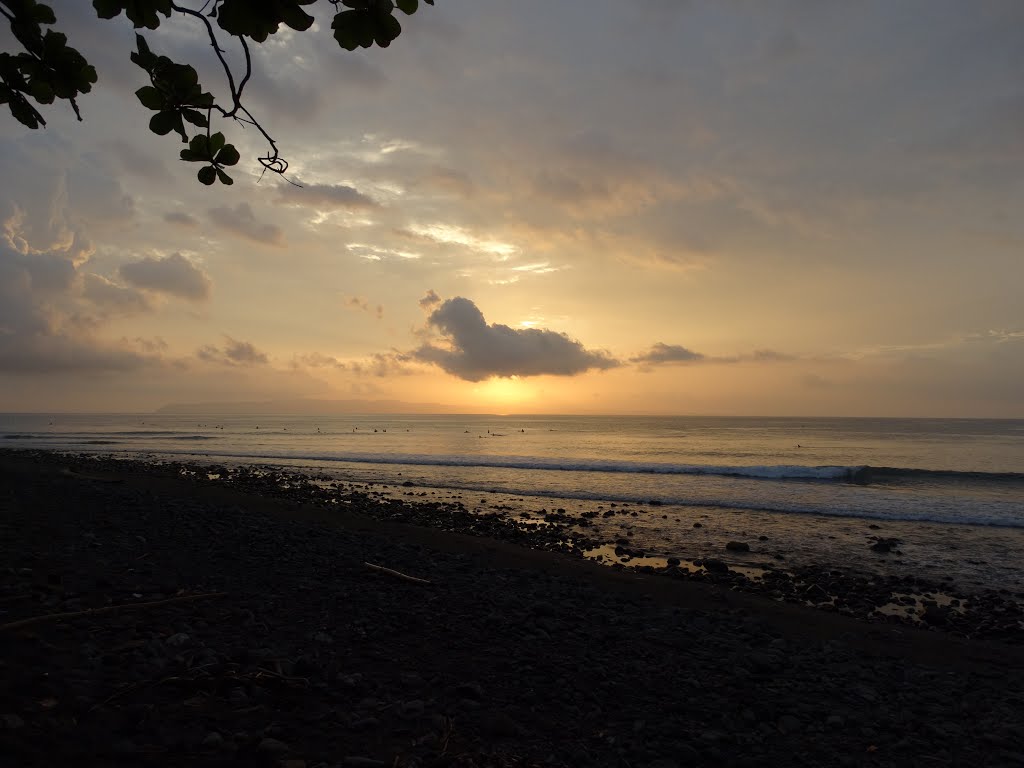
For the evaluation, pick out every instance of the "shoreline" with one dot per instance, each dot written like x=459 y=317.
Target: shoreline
x=511 y=656
x=897 y=595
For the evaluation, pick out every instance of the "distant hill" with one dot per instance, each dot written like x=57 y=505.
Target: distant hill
x=302 y=407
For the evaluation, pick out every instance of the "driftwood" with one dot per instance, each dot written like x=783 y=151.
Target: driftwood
x=396 y=574
x=107 y=609
x=67 y=471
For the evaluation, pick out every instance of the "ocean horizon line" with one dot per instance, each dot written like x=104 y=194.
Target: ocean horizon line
x=205 y=410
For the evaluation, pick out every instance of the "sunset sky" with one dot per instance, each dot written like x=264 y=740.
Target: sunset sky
x=773 y=207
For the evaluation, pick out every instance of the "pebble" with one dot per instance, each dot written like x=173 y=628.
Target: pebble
x=272 y=746
x=213 y=740
x=470 y=691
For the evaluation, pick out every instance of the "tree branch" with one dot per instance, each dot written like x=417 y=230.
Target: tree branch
x=235 y=95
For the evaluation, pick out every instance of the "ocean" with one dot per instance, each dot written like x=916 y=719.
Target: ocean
x=799 y=490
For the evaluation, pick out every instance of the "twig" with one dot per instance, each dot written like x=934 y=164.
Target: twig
x=279 y=676
x=107 y=609
x=396 y=574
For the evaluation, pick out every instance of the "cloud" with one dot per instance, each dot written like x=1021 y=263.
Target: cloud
x=113 y=297
x=660 y=354
x=770 y=355
x=361 y=304
x=449 y=181
x=380 y=364
x=43 y=244
x=430 y=299
x=675 y=354
x=326 y=196
x=478 y=351
x=61 y=352
x=182 y=218
x=234 y=352
x=174 y=275
x=135 y=161
x=241 y=221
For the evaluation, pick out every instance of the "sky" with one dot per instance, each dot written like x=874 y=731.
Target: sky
x=729 y=207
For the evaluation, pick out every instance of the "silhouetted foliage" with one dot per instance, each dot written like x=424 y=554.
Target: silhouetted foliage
x=49 y=68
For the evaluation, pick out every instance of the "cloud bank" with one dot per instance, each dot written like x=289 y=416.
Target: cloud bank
x=234 y=352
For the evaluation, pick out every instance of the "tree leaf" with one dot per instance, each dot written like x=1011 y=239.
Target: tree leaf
x=207 y=174
x=163 y=122
x=227 y=156
x=224 y=178
x=43 y=14
x=24 y=113
x=295 y=17
x=107 y=9
x=216 y=142
x=408 y=7
x=195 y=117
x=150 y=97
x=200 y=145
x=41 y=92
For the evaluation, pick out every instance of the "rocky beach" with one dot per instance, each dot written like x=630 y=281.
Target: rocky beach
x=170 y=614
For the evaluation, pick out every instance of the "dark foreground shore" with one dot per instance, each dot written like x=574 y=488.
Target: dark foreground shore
x=206 y=625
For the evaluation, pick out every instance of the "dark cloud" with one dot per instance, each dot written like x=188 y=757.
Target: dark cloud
x=478 y=351
x=182 y=218
x=61 y=352
x=234 y=352
x=661 y=353
x=49 y=196
x=174 y=275
x=326 y=196
x=241 y=221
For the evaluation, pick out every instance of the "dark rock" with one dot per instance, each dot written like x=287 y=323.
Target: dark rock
x=470 y=691
x=884 y=545
x=500 y=726
x=936 y=615
x=789 y=724
x=738 y=546
x=715 y=566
